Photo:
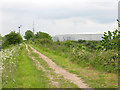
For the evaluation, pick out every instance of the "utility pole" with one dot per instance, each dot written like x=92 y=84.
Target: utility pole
x=33 y=28
x=19 y=28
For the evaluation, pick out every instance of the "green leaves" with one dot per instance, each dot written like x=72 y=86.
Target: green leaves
x=42 y=35
x=118 y=22
x=12 y=38
x=28 y=34
x=110 y=40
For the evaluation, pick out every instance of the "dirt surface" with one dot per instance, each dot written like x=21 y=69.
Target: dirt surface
x=72 y=77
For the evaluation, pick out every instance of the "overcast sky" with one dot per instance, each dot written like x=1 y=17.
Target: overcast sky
x=58 y=16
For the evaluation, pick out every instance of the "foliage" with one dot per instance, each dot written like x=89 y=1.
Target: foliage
x=81 y=41
x=0 y=40
x=91 y=45
x=29 y=34
x=18 y=69
x=105 y=60
x=9 y=59
x=86 y=53
x=11 y=39
x=43 y=41
x=118 y=22
x=109 y=41
x=93 y=78
x=68 y=43
x=42 y=35
x=0 y=37
x=82 y=52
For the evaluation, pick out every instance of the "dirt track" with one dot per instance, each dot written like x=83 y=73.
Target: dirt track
x=58 y=70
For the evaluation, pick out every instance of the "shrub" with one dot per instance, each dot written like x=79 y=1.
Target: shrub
x=28 y=34
x=43 y=41
x=104 y=60
x=11 y=38
x=110 y=40
x=42 y=35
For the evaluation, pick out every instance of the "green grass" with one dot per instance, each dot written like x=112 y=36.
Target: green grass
x=30 y=48
x=34 y=54
x=10 y=66
x=92 y=77
x=27 y=74
x=63 y=83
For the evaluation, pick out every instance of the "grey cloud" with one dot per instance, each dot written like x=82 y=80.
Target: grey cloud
x=101 y=16
x=16 y=14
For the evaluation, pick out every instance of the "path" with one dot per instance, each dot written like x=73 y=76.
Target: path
x=58 y=70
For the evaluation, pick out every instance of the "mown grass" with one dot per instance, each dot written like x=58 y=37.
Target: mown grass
x=92 y=77
x=27 y=74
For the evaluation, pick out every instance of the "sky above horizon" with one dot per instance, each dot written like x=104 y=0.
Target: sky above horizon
x=58 y=16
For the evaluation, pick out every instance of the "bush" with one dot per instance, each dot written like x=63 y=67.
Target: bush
x=11 y=39
x=105 y=60
x=29 y=34
x=68 y=43
x=110 y=40
x=42 y=35
x=108 y=60
x=43 y=41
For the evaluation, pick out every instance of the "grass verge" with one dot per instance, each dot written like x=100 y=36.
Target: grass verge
x=27 y=74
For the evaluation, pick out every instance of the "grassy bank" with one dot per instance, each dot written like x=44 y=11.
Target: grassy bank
x=26 y=75
x=23 y=72
x=91 y=76
x=9 y=58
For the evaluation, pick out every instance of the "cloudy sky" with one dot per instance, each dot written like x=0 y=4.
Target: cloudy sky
x=58 y=16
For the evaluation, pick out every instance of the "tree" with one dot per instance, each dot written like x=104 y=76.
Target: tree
x=28 y=34
x=12 y=38
x=42 y=35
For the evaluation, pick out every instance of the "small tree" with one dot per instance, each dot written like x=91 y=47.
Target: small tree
x=110 y=40
x=28 y=34
x=12 y=38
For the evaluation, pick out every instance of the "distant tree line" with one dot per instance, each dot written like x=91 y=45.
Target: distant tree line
x=39 y=37
x=14 y=38
x=30 y=35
